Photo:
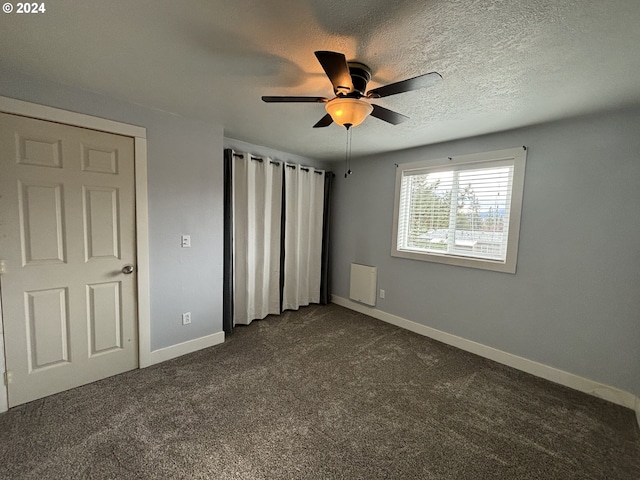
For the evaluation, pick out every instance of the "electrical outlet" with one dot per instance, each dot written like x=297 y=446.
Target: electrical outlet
x=186 y=318
x=382 y=293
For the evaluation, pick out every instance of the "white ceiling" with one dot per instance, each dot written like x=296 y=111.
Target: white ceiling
x=505 y=63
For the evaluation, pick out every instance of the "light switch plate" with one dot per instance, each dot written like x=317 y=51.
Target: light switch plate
x=185 y=241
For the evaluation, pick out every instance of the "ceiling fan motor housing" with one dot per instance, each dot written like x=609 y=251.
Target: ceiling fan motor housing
x=360 y=76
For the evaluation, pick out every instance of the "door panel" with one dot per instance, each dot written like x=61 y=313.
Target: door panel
x=48 y=328
x=101 y=222
x=40 y=208
x=105 y=319
x=41 y=151
x=67 y=226
x=100 y=160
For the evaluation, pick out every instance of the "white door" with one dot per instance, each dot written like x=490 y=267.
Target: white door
x=67 y=233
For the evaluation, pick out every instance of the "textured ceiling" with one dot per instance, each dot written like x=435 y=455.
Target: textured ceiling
x=505 y=63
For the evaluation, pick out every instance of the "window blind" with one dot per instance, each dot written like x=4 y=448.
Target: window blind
x=463 y=210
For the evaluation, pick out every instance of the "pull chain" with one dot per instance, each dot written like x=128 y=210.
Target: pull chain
x=347 y=162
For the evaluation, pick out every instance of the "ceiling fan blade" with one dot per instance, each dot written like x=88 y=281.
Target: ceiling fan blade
x=295 y=99
x=324 y=121
x=415 y=83
x=388 y=116
x=336 y=67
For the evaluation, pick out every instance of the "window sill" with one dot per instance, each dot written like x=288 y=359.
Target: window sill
x=480 y=263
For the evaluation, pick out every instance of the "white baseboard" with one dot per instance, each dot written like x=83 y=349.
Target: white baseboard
x=167 y=353
x=606 y=392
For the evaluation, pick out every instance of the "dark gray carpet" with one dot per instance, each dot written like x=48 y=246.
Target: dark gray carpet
x=321 y=393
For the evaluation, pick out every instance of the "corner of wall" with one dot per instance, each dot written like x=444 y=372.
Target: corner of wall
x=4 y=393
x=4 y=404
x=638 y=410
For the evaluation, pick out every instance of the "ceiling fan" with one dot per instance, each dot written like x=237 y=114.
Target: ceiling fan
x=349 y=80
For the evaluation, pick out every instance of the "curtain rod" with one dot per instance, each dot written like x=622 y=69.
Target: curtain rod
x=259 y=159
x=304 y=169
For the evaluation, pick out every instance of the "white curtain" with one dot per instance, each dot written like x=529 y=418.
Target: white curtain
x=257 y=208
x=304 y=207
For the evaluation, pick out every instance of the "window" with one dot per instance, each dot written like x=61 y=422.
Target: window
x=461 y=211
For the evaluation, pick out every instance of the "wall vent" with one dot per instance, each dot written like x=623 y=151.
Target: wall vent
x=364 y=280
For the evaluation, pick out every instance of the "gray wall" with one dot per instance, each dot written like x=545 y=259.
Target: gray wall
x=185 y=196
x=574 y=302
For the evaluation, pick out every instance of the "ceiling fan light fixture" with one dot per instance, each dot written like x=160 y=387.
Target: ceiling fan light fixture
x=348 y=111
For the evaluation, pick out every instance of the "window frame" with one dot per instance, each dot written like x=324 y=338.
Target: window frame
x=518 y=157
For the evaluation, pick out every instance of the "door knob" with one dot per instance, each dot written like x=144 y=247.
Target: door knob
x=127 y=269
